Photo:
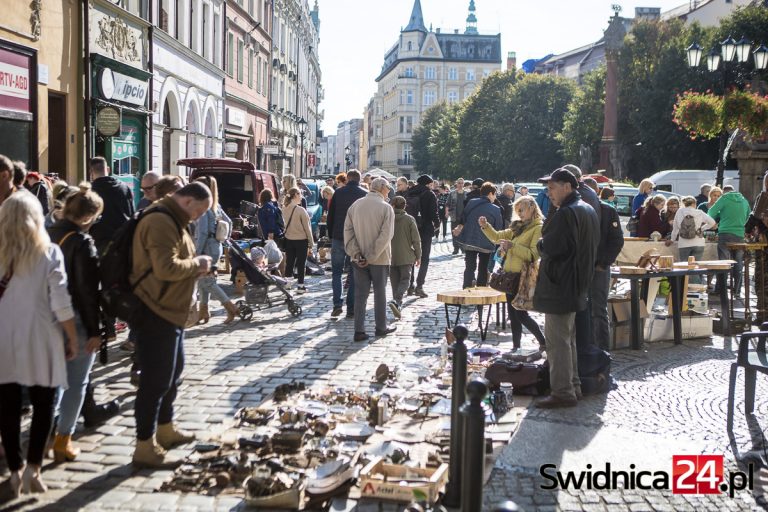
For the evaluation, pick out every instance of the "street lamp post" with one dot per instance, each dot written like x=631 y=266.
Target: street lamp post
x=347 y=151
x=731 y=52
x=302 y=134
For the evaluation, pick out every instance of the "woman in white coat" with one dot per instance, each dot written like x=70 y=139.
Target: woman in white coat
x=37 y=334
x=688 y=233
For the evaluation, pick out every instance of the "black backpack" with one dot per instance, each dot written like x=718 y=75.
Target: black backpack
x=595 y=370
x=413 y=208
x=117 y=297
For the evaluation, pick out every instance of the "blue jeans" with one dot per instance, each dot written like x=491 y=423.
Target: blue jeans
x=160 y=351
x=208 y=286
x=339 y=260
x=697 y=251
x=70 y=401
x=724 y=253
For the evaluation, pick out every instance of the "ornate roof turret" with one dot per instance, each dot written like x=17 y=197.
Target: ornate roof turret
x=315 y=15
x=416 y=23
x=471 y=19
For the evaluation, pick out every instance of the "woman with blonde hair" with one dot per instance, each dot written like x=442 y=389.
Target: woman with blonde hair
x=518 y=242
x=650 y=219
x=298 y=237
x=206 y=244
x=715 y=193
x=81 y=262
x=40 y=338
x=670 y=210
x=644 y=190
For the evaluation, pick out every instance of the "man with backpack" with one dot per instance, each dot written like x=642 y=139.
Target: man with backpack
x=687 y=229
x=455 y=207
x=421 y=204
x=118 y=202
x=39 y=187
x=164 y=269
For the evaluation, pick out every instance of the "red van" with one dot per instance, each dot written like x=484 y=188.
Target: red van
x=237 y=180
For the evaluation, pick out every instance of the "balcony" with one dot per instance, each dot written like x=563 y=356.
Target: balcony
x=405 y=162
x=377 y=163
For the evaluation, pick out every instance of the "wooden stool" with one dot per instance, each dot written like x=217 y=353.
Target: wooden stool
x=479 y=297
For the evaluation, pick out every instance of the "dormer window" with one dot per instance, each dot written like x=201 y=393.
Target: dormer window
x=431 y=50
x=410 y=46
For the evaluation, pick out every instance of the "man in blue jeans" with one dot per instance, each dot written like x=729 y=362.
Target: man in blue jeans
x=337 y=214
x=164 y=272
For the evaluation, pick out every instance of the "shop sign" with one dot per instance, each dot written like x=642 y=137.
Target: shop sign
x=235 y=117
x=116 y=86
x=108 y=121
x=14 y=81
x=311 y=162
x=271 y=150
x=231 y=147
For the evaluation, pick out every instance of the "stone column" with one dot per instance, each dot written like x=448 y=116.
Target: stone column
x=753 y=162
x=609 y=151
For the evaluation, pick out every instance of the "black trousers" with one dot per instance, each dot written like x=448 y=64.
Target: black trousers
x=444 y=224
x=476 y=261
x=519 y=319
x=426 y=250
x=296 y=255
x=42 y=399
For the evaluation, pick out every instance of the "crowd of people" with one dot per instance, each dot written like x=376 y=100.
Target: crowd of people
x=54 y=236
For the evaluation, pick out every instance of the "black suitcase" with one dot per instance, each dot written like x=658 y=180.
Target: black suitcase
x=526 y=378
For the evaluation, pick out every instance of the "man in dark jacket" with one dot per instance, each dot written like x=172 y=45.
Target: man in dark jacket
x=337 y=214
x=568 y=251
x=475 y=192
x=118 y=202
x=428 y=220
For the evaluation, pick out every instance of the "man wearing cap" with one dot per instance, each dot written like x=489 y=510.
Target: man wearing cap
x=456 y=208
x=475 y=192
x=568 y=249
x=424 y=210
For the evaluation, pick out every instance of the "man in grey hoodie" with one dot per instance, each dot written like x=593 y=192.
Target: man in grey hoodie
x=406 y=252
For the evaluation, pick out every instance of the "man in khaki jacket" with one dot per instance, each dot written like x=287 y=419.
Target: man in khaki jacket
x=164 y=271
x=368 y=232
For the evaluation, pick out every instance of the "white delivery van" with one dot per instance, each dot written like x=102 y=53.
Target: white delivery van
x=689 y=182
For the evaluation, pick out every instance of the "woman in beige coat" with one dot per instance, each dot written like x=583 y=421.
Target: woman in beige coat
x=298 y=237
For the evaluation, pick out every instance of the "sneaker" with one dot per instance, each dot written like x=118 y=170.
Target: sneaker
x=350 y=314
x=120 y=326
x=395 y=308
x=410 y=290
x=337 y=311
x=419 y=292
x=301 y=289
x=128 y=346
x=361 y=336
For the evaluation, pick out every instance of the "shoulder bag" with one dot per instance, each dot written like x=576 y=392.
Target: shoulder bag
x=506 y=282
x=223 y=229
x=281 y=241
x=523 y=300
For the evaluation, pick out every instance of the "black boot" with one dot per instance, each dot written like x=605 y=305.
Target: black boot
x=95 y=415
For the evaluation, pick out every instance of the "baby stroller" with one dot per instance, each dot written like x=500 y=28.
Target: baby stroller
x=258 y=295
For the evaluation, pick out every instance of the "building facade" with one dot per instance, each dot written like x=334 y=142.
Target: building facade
x=295 y=88
x=349 y=135
x=326 y=156
x=248 y=70
x=41 y=94
x=420 y=70
x=188 y=82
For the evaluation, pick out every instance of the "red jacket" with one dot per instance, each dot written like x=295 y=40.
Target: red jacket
x=651 y=221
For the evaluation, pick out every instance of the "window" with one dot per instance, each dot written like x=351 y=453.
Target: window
x=468 y=92
x=408 y=124
x=470 y=75
x=429 y=97
x=402 y=97
x=230 y=54
x=250 y=68
x=378 y=131
x=453 y=74
x=453 y=96
x=410 y=46
x=177 y=19
x=240 y=60
x=402 y=124
x=204 y=37
x=430 y=73
x=407 y=152
x=409 y=97
x=486 y=73
x=264 y=74
x=258 y=74
x=409 y=72
x=165 y=7
x=431 y=49
x=250 y=7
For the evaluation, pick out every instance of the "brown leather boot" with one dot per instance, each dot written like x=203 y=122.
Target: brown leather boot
x=204 y=314
x=63 y=449
x=231 y=312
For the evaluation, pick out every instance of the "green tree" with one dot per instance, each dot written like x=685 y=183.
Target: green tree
x=583 y=124
x=444 y=143
x=422 y=157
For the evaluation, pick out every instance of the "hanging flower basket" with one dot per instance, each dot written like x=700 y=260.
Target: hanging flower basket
x=700 y=114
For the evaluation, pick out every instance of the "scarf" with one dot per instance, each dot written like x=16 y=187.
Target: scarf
x=518 y=227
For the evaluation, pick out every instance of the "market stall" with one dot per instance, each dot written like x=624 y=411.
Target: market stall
x=634 y=248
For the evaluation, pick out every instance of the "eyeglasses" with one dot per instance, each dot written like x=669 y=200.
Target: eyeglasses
x=147 y=189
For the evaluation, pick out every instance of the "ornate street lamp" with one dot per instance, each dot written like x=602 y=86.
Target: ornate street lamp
x=761 y=57
x=347 y=151
x=302 y=133
x=713 y=60
x=694 y=55
x=743 y=47
x=728 y=48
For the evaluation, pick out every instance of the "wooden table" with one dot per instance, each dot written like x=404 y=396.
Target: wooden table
x=635 y=247
x=480 y=297
x=759 y=249
x=676 y=277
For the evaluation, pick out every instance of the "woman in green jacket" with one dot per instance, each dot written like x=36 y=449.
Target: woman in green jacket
x=518 y=243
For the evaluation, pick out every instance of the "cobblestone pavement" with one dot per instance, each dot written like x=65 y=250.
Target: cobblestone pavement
x=666 y=394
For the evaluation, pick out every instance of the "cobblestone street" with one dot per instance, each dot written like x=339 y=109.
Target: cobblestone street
x=670 y=399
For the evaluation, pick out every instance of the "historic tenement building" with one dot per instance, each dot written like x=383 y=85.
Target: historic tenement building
x=424 y=67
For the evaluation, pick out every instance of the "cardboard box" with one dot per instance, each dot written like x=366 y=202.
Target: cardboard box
x=622 y=309
x=660 y=327
x=396 y=486
x=621 y=336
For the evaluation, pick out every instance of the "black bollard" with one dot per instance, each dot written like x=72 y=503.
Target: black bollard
x=459 y=382
x=474 y=445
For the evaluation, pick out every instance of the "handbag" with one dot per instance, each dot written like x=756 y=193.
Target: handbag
x=223 y=230
x=523 y=300
x=506 y=282
x=281 y=241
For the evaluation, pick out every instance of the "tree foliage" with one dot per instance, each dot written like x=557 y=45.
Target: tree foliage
x=583 y=124
x=420 y=143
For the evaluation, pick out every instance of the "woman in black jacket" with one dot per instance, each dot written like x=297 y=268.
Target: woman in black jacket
x=82 y=265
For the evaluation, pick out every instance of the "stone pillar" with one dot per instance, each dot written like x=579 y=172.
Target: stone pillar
x=753 y=162
x=614 y=40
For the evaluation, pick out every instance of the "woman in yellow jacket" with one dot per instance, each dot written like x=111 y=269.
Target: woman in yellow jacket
x=518 y=243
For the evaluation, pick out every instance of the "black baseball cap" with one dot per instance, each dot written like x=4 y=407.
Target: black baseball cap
x=478 y=182
x=561 y=175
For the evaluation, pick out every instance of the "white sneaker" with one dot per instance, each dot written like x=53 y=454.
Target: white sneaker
x=301 y=289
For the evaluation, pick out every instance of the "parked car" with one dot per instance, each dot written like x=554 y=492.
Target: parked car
x=625 y=193
x=689 y=182
x=237 y=180
x=315 y=209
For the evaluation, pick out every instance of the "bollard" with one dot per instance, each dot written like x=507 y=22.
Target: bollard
x=474 y=446
x=459 y=381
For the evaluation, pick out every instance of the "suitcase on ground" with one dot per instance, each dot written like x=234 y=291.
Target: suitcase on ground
x=526 y=378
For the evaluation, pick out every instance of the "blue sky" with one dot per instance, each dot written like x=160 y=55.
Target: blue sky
x=355 y=34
